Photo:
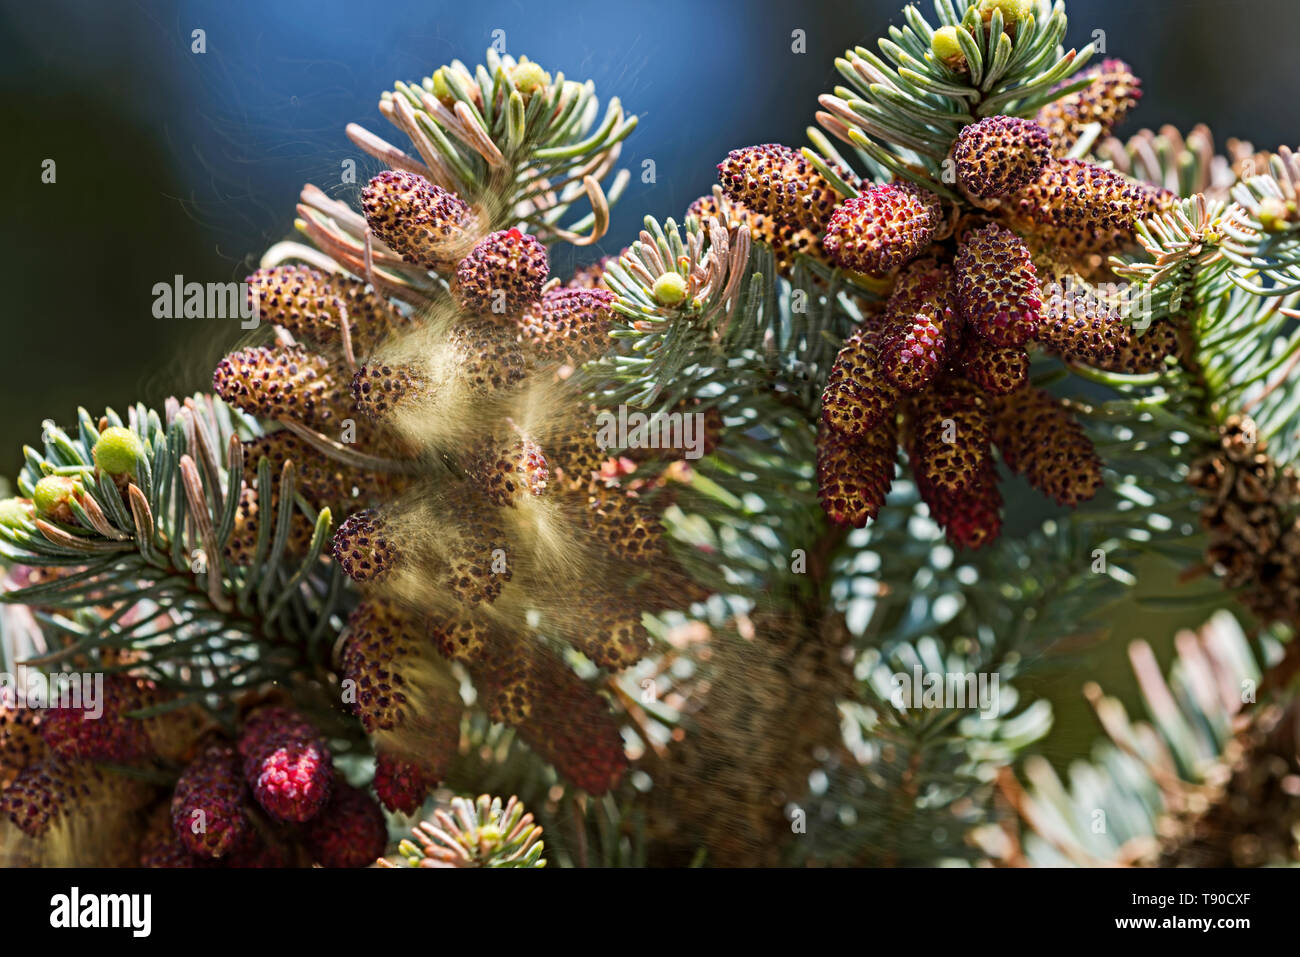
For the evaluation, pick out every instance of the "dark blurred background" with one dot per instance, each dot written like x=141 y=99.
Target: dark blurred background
x=174 y=162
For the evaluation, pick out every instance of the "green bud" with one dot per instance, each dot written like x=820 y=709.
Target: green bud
x=441 y=89
x=1274 y=214
x=947 y=50
x=14 y=512
x=117 y=451
x=51 y=497
x=669 y=289
x=529 y=78
x=1013 y=11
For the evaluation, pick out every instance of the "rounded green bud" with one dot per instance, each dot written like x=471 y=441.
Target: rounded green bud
x=669 y=289
x=1013 y=11
x=529 y=78
x=14 y=512
x=1274 y=214
x=947 y=49
x=51 y=496
x=117 y=451
x=441 y=88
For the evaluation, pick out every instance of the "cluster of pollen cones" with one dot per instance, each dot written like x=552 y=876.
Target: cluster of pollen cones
x=940 y=364
x=268 y=796
x=476 y=509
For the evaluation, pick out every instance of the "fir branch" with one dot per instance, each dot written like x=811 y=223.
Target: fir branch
x=1263 y=230
x=166 y=590
x=510 y=136
x=1124 y=804
x=903 y=109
